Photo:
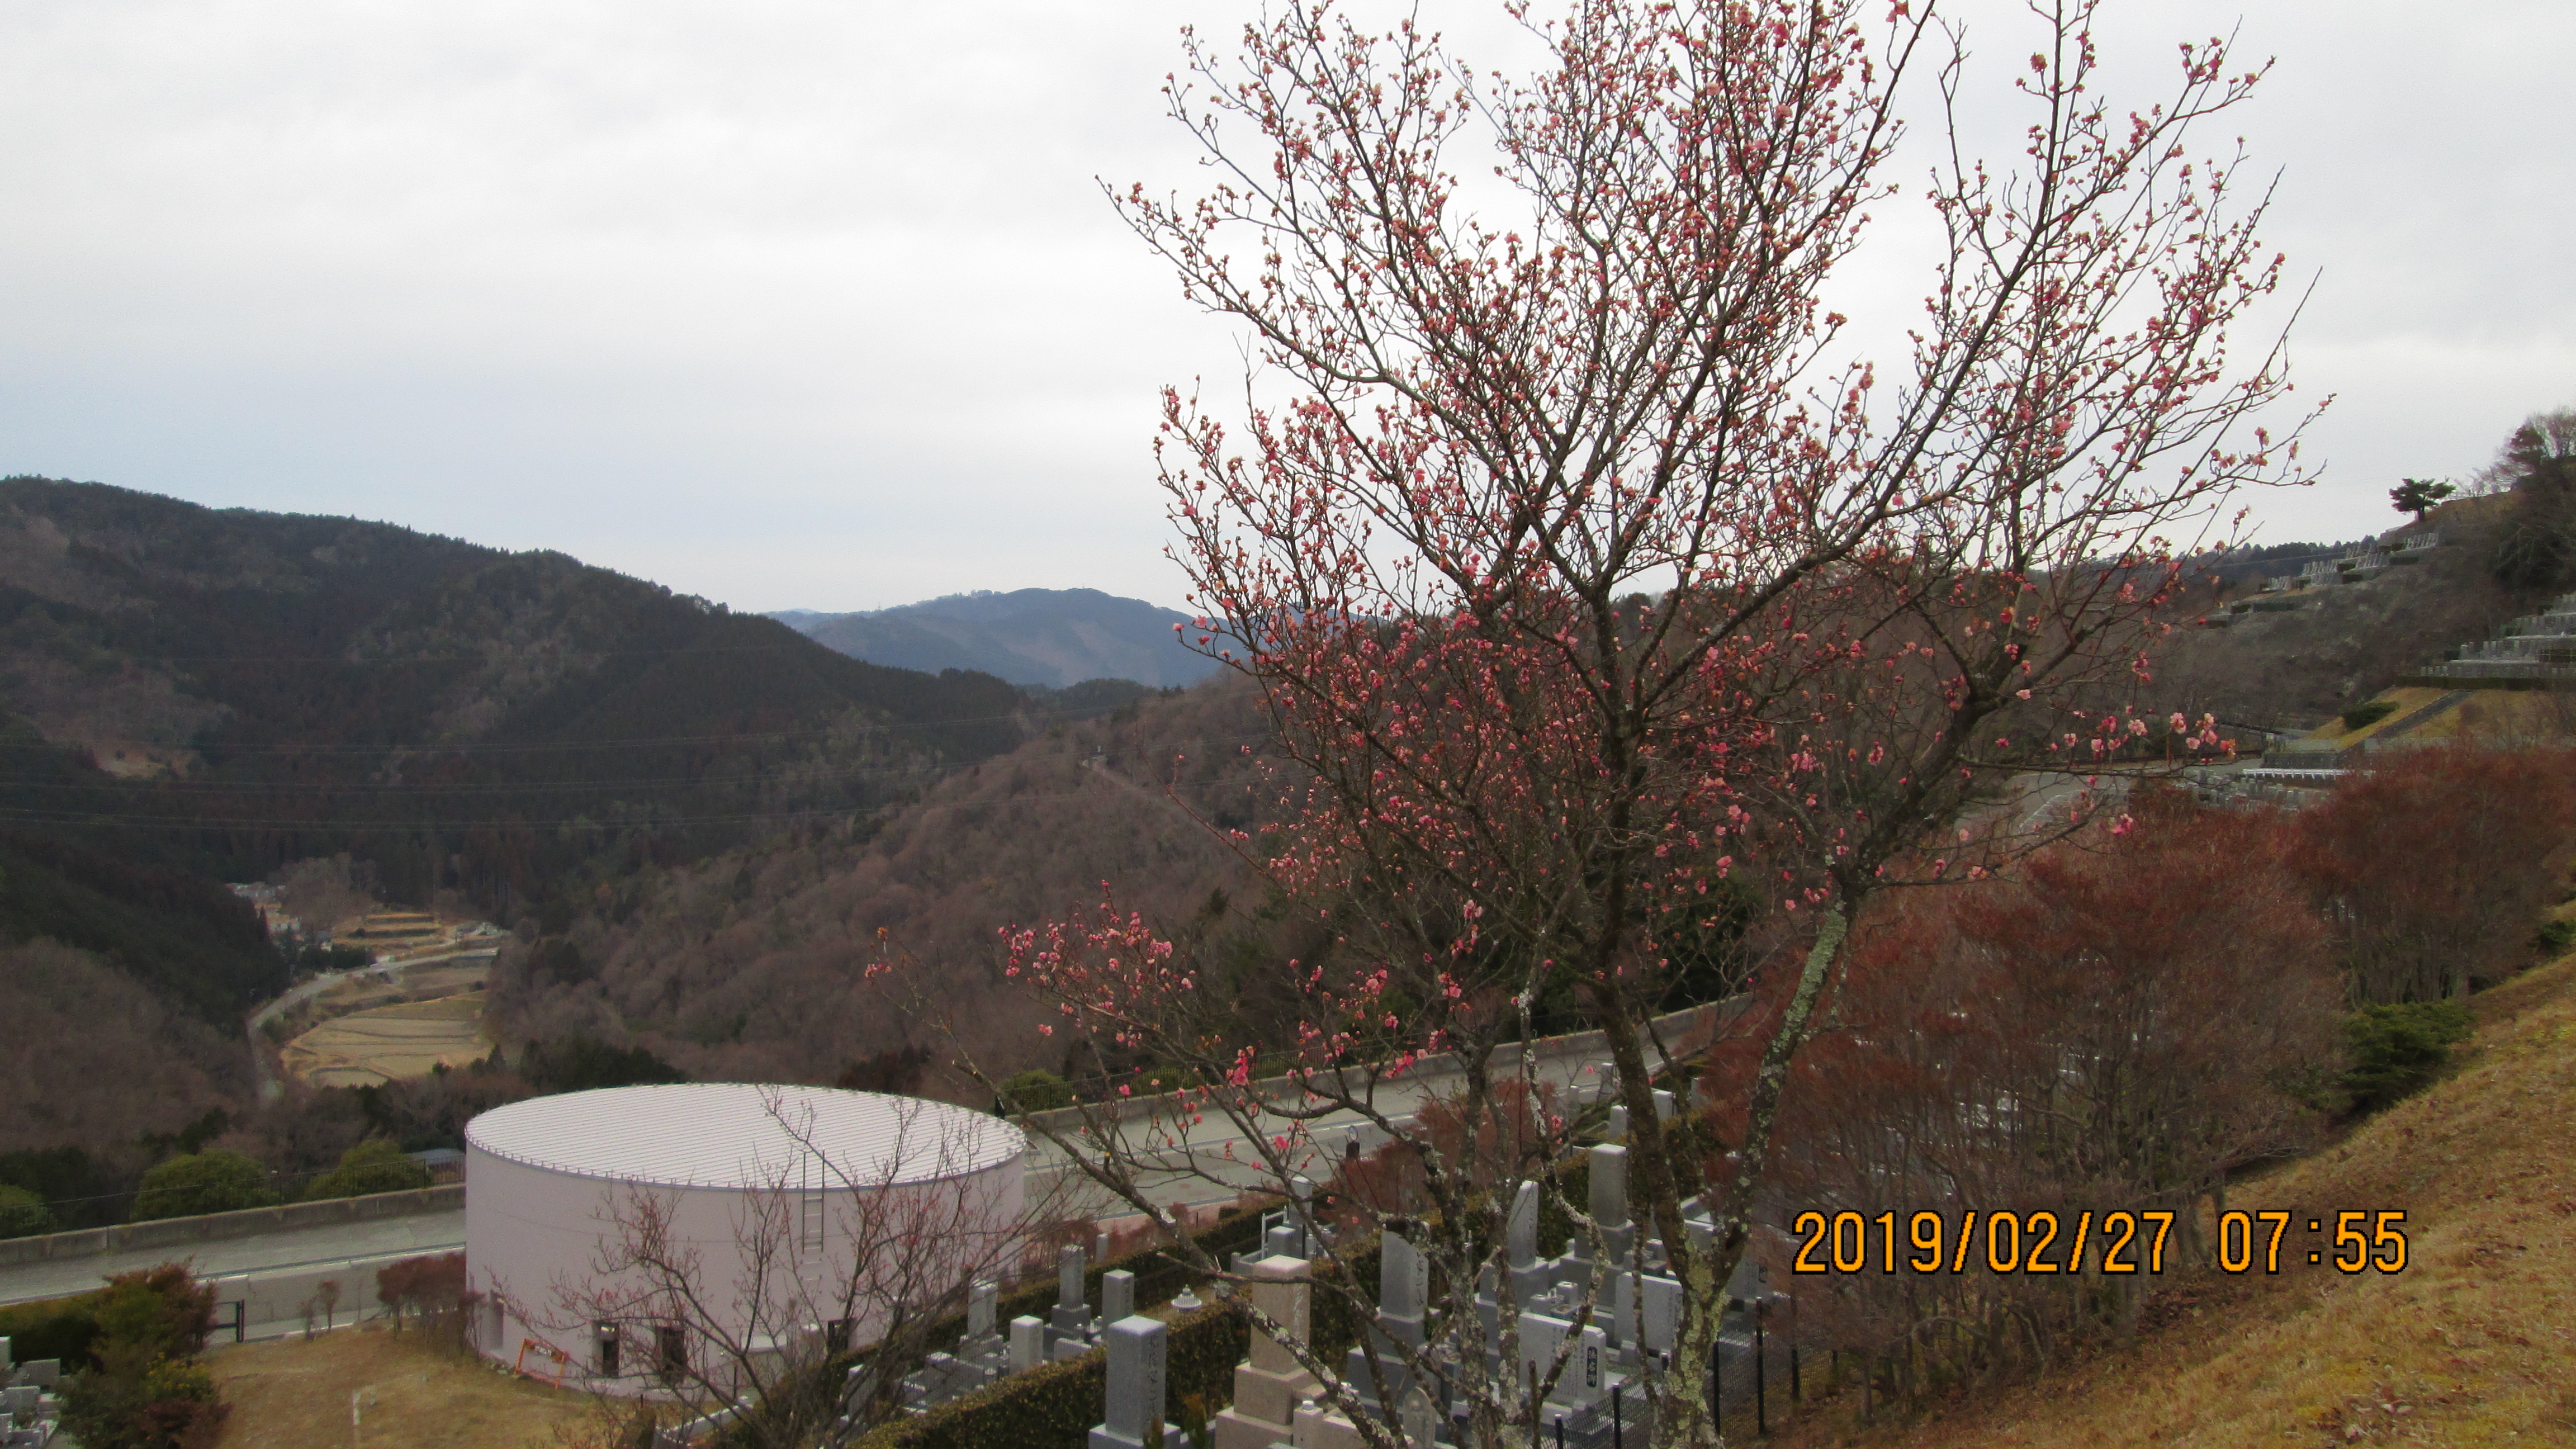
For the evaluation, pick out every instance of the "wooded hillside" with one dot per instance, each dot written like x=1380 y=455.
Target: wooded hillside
x=749 y=964
x=220 y=692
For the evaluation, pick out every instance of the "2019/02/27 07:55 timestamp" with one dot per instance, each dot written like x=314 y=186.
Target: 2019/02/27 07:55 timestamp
x=2118 y=1241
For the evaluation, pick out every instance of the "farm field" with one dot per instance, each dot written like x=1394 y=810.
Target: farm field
x=391 y=1043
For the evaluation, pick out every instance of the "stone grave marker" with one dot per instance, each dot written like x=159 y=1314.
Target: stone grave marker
x=1133 y=1414
x=1072 y=1318
x=1270 y=1384
x=1028 y=1343
x=1660 y=1324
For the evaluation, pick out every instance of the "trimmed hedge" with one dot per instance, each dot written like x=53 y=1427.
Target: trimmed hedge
x=1159 y=1278
x=1055 y=1406
x=62 y=1328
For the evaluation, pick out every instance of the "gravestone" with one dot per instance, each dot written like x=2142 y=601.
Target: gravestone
x=1530 y=1277
x=1665 y=1105
x=1403 y=1287
x=1318 y=1426
x=1270 y=1384
x=1610 y=1185
x=1403 y=1296
x=1028 y=1343
x=1117 y=1295
x=1415 y=1418
x=1072 y=1318
x=1520 y=1230
x=1623 y=1312
x=1541 y=1337
x=1589 y=1373
x=1132 y=1415
x=1660 y=1316
x=979 y=1310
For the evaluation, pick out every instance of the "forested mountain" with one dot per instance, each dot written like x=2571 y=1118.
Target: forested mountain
x=751 y=964
x=189 y=694
x=1052 y=637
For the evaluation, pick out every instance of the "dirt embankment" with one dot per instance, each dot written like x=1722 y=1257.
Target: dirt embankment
x=2473 y=1343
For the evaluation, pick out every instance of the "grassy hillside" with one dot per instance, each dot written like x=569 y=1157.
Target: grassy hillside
x=2473 y=1344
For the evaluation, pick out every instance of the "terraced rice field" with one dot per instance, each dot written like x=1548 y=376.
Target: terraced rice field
x=391 y=1043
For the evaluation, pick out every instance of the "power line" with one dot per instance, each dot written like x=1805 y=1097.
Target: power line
x=10 y=816
x=638 y=742
x=791 y=777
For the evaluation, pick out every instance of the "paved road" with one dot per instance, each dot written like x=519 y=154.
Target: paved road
x=267 y=1253
x=1202 y=1172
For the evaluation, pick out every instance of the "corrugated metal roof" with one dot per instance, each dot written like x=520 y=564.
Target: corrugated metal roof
x=739 y=1135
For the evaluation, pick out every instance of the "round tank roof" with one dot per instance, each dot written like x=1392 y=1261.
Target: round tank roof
x=744 y=1135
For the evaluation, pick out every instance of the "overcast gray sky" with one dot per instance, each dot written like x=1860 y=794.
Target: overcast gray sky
x=803 y=304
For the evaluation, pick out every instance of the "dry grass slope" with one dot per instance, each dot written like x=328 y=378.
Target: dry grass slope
x=295 y=1394
x=2474 y=1344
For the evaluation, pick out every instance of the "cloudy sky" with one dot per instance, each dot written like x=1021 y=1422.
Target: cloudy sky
x=805 y=304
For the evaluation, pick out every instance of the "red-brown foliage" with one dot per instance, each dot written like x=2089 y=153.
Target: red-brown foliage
x=429 y=1288
x=2434 y=863
x=2112 y=1026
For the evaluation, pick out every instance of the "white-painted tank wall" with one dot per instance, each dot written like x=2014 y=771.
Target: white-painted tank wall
x=536 y=1238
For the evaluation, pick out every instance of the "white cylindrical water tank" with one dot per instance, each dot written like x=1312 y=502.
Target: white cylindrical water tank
x=784 y=1208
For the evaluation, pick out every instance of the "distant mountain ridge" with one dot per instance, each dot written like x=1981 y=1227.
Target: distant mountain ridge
x=213 y=693
x=1049 y=637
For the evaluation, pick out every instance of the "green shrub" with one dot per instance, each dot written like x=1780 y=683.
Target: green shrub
x=2555 y=937
x=213 y=1181
x=1036 y=1090
x=62 y=1328
x=2399 y=1049
x=134 y=1403
x=161 y=1312
x=132 y=1348
x=23 y=1214
x=374 y=1165
x=2362 y=716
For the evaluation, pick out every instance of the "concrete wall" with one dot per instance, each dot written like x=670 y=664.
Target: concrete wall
x=250 y=1222
x=272 y=1303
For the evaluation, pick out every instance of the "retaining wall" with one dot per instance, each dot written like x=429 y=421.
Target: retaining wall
x=247 y=1223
